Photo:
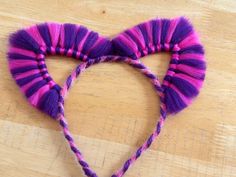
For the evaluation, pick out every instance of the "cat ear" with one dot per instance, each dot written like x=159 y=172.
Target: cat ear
x=26 y=56
x=187 y=66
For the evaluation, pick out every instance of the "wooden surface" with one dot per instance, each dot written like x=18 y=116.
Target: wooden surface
x=113 y=108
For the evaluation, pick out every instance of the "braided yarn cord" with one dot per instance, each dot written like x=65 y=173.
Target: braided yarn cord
x=62 y=120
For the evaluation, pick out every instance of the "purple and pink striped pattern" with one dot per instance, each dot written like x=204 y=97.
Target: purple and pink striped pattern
x=187 y=67
x=27 y=51
x=183 y=80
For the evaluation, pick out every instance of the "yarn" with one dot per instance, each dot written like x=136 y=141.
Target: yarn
x=182 y=82
x=186 y=71
x=27 y=51
x=62 y=120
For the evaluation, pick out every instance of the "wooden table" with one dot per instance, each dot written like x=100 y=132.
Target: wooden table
x=113 y=108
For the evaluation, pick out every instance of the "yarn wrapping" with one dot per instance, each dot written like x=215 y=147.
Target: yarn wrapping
x=187 y=66
x=183 y=80
x=27 y=51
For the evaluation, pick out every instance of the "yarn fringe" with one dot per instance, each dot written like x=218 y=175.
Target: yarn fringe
x=184 y=77
x=27 y=51
x=186 y=72
x=49 y=103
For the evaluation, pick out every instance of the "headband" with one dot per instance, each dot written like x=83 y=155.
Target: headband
x=184 y=77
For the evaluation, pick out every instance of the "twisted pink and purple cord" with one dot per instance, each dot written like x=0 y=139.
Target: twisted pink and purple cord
x=183 y=79
x=136 y=64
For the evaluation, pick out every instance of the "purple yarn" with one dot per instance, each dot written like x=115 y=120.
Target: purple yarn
x=173 y=101
x=23 y=69
x=122 y=49
x=44 y=32
x=104 y=48
x=186 y=88
x=79 y=36
x=194 y=63
x=90 y=40
x=155 y=32
x=26 y=80
x=23 y=40
x=192 y=49
x=142 y=28
x=136 y=41
x=16 y=56
x=70 y=32
x=35 y=87
x=49 y=100
x=182 y=30
x=164 y=30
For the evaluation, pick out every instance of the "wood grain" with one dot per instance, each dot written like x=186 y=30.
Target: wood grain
x=113 y=108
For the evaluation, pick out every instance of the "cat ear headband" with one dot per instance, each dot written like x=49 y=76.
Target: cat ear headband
x=184 y=77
